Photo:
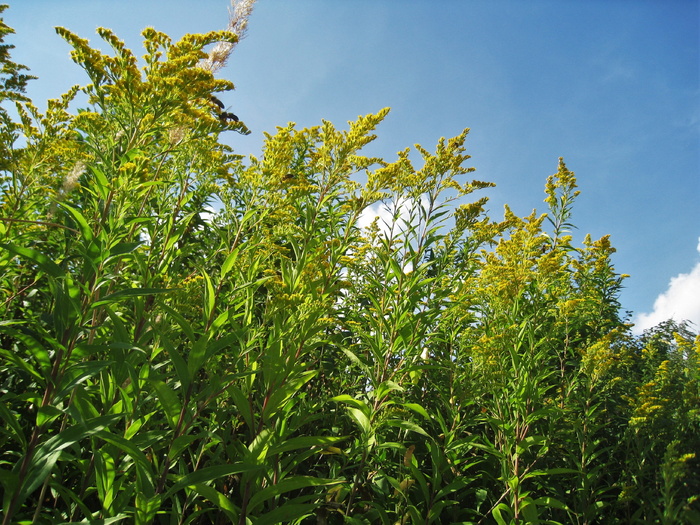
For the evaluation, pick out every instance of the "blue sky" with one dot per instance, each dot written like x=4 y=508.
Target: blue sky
x=613 y=86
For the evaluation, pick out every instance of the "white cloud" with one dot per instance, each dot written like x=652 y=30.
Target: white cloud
x=208 y=213
x=372 y=212
x=681 y=301
x=385 y=212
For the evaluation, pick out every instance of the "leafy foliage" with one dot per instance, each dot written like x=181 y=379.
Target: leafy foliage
x=271 y=361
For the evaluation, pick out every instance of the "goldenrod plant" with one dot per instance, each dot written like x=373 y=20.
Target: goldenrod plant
x=188 y=336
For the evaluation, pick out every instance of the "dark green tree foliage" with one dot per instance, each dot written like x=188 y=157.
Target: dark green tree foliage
x=273 y=362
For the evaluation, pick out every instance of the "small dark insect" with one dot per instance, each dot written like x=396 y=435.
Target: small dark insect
x=225 y=117
x=217 y=102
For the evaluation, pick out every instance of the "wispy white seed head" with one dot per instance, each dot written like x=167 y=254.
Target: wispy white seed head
x=72 y=179
x=176 y=135
x=238 y=15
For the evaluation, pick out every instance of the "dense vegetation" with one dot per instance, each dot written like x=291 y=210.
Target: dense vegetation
x=273 y=362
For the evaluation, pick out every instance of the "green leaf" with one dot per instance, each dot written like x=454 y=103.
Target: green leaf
x=203 y=349
x=130 y=292
x=178 y=361
x=220 y=321
x=46 y=455
x=454 y=486
x=180 y=443
x=44 y=263
x=12 y=421
x=344 y=398
x=228 y=263
x=9 y=481
x=146 y=507
x=197 y=355
x=105 y=474
x=417 y=409
x=169 y=401
x=280 y=396
x=102 y=185
x=242 y=404
x=122 y=248
x=83 y=225
x=79 y=373
x=497 y=513
x=361 y=419
x=548 y=501
x=36 y=350
x=207 y=475
x=209 y=295
x=386 y=387
x=529 y=511
x=304 y=442
x=356 y=360
x=217 y=498
x=184 y=325
x=287 y=485
x=129 y=448
x=286 y=513
x=406 y=425
x=106 y=521
x=46 y=414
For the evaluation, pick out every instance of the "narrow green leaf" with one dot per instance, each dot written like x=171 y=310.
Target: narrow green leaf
x=46 y=414
x=122 y=248
x=184 y=325
x=38 y=352
x=454 y=486
x=131 y=292
x=11 y=420
x=83 y=225
x=229 y=262
x=197 y=355
x=406 y=425
x=417 y=409
x=286 y=513
x=169 y=401
x=242 y=404
x=105 y=521
x=550 y=502
x=497 y=513
x=344 y=398
x=360 y=417
x=180 y=443
x=304 y=442
x=46 y=455
x=128 y=447
x=209 y=295
x=44 y=263
x=146 y=507
x=217 y=498
x=178 y=361
x=102 y=183
x=287 y=485
x=386 y=387
x=105 y=474
x=79 y=373
x=207 y=475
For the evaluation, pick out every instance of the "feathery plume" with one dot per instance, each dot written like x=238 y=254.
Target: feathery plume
x=70 y=182
x=238 y=15
x=72 y=179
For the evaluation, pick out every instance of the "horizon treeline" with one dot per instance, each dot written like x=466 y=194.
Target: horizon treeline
x=191 y=337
